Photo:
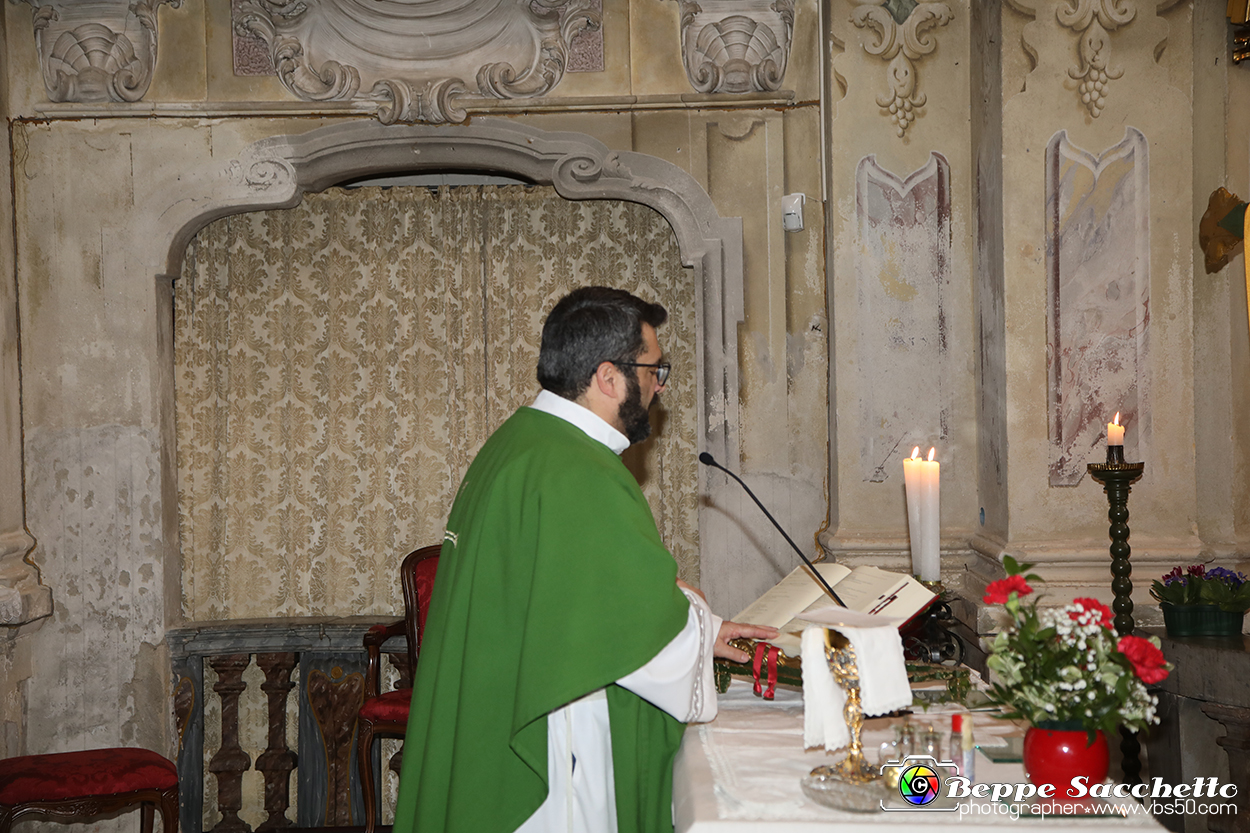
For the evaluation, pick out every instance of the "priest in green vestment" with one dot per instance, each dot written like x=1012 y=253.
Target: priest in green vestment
x=561 y=658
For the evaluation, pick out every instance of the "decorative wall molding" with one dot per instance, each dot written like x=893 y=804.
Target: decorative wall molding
x=1093 y=20
x=99 y=51
x=586 y=48
x=902 y=40
x=736 y=46
x=417 y=61
x=23 y=596
x=249 y=54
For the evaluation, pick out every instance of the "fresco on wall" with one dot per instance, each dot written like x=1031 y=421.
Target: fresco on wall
x=1098 y=300
x=904 y=271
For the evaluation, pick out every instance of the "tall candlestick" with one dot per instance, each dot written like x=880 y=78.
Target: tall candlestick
x=1117 y=478
x=921 y=479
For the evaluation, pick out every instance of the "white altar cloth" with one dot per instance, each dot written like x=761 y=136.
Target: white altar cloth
x=740 y=774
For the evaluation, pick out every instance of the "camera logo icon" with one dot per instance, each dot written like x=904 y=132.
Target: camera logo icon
x=919 y=785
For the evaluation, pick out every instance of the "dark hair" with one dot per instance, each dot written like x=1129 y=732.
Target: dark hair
x=587 y=327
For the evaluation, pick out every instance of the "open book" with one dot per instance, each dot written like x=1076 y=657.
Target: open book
x=868 y=592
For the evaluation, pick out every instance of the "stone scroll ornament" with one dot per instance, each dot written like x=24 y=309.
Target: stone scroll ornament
x=904 y=269
x=736 y=46
x=417 y=60
x=903 y=38
x=1093 y=21
x=1098 y=299
x=96 y=52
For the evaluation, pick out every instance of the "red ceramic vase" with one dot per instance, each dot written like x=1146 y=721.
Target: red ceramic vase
x=1056 y=756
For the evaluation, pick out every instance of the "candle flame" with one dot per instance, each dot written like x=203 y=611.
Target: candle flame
x=931 y=450
x=915 y=453
x=1116 y=421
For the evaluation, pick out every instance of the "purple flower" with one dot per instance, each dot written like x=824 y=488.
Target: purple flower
x=1229 y=577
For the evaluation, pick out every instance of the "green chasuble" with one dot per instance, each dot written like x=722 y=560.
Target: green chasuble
x=552 y=583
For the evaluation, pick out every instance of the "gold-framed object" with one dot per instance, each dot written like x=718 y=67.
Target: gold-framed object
x=790 y=672
x=850 y=784
x=853 y=768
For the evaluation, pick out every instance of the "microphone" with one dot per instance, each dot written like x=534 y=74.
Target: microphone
x=708 y=460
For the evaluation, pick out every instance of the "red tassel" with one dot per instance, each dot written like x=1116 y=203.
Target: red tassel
x=760 y=649
x=773 y=654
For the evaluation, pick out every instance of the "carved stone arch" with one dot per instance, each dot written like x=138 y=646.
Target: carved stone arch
x=276 y=172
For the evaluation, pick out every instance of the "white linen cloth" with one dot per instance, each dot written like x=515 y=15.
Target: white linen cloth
x=824 y=701
x=580 y=790
x=883 y=683
x=741 y=773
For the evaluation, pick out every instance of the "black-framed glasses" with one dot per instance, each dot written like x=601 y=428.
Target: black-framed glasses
x=662 y=369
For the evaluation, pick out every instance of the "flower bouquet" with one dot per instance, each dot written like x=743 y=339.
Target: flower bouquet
x=1202 y=602
x=1064 y=670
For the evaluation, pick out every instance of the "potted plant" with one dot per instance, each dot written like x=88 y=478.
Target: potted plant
x=1202 y=602
x=1066 y=672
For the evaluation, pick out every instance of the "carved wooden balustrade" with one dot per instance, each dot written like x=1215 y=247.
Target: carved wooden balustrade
x=323 y=659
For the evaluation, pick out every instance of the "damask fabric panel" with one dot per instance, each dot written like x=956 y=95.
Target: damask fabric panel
x=339 y=364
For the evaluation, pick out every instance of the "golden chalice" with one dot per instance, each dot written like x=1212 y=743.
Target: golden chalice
x=851 y=783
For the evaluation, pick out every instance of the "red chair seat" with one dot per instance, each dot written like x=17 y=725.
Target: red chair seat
x=391 y=707
x=86 y=774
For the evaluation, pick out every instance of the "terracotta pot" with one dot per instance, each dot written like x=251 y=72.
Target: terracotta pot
x=1056 y=756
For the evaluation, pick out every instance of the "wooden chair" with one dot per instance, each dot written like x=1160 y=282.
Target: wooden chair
x=79 y=786
x=386 y=714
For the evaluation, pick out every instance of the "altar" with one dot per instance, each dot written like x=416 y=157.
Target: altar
x=741 y=773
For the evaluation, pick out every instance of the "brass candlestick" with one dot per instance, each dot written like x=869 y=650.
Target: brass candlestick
x=1117 y=478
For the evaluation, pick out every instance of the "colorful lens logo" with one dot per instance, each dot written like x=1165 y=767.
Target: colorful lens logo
x=919 y=785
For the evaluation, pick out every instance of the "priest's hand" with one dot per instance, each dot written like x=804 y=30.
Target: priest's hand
x=734 y=630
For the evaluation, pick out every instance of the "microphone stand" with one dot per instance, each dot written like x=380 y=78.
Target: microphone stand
x=708 y=460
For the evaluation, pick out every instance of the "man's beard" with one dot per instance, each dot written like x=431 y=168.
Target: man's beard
x=632 y=415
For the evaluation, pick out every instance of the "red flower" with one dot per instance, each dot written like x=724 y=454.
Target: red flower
x=1092 y=606
x=1199 y=570
x=1148 y=662
x=999 y=591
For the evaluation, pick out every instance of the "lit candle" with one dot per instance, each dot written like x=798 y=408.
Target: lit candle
x=911 y=484
x=1115 y=440
x=921 y=480
x=1115 y=431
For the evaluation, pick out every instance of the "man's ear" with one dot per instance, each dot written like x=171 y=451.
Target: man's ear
x=607 y=380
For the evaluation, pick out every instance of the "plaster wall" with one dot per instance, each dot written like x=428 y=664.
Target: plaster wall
x=1219 y=319
x=23 y=599
x=1064 y=528
x=1222 y=338
x=986 y=106
x=1001 y=86
x=870 y=501
x=96 y=192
